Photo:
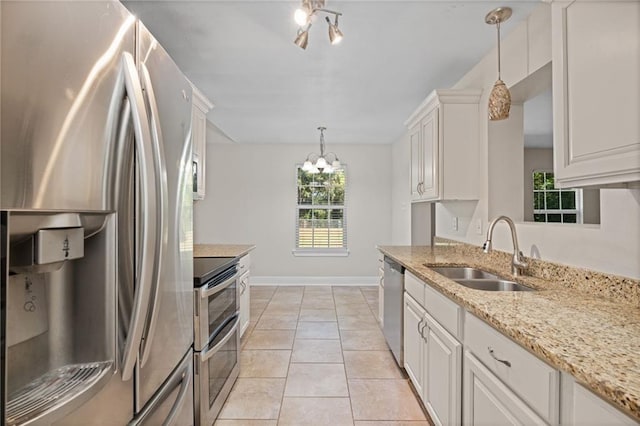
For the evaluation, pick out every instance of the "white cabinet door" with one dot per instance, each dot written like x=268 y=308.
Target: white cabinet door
x=416 y=162
x=596 y=82
x=381 y=296
x=581 y=407
x=413 y=341
x=430 y=158
x=443 y=133
x=487 y=401
x=201 y=106
x=245 y=302
x=442 y=392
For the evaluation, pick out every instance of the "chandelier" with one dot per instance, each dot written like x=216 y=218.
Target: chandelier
x=303 y=16
x=323 y=163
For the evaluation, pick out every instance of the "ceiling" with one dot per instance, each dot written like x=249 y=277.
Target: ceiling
x=265 y=89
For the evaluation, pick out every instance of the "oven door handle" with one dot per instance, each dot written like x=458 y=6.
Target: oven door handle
x=209 y=353
x=206 y=292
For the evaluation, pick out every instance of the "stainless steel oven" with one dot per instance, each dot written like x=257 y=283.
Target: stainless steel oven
x=216 y=297
x=216 y=335
x=216 y=369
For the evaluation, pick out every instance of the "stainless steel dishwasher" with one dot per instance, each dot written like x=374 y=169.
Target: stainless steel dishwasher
x=393 y=304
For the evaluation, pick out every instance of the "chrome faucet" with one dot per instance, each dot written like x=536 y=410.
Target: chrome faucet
x=518 y=264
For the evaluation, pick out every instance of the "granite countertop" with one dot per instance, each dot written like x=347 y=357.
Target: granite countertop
x=581 y=322
x=221 y=250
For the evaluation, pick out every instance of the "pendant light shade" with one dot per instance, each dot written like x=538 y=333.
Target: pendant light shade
x=499 y=101
x=500 y=97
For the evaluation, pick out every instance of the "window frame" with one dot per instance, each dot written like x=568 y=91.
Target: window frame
x=578 y=210
x=320 y=251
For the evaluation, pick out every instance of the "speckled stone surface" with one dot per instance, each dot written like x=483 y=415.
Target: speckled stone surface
x=582 y=322
x=221 y=250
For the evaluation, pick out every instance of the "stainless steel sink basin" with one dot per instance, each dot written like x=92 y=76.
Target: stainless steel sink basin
x=493 y=285
x=457 y=273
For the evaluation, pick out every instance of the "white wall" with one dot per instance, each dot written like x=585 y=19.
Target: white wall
x=251 y=198
x=400 y=192
x=612 y=247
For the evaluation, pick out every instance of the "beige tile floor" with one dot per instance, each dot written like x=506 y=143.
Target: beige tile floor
x=316 y=356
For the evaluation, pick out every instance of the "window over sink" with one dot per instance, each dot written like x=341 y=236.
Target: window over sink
x=321 y=226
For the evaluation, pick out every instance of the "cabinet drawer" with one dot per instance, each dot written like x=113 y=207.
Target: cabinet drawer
x=245 y=263
x=414 y=286
x=445 y=311
x=533 y=380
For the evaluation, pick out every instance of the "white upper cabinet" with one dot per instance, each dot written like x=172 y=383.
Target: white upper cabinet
x=596 y=92
x=201 y=106
x=443 y=133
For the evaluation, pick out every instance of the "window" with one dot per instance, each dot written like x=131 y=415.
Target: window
x=554 y=205
x=321 y=214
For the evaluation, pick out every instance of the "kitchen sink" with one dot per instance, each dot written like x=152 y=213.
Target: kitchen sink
x=493 y=285
x=458 y=273
x=478 y=279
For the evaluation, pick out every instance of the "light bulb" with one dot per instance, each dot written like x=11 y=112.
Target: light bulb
x=301 y=16
x=328 y=169
x=314 y=170
x=321 y=163
x=307 y=166
x=336 y=164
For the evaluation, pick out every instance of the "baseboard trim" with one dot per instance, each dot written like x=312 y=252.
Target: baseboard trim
x=311 y=281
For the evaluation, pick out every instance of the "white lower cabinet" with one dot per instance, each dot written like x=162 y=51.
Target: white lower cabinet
x=433 y=362
x=381 y=296
x=245 y=293
x=579 y=406
x=413 y=341
x=442 y=374
x=487 y=401
x=467 y=372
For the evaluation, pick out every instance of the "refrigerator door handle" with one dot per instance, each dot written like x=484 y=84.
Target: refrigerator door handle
x=184 y=377
x=182 y=396
x=144 y=268
x=161 y=210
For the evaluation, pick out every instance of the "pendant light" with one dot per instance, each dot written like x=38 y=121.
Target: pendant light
x=325 y=163
x=500 y=97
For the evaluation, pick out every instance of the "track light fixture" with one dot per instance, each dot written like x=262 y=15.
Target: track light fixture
x=303 y=16
x=325 y=163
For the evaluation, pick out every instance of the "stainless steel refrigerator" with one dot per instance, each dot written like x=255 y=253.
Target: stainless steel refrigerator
x=96 y=199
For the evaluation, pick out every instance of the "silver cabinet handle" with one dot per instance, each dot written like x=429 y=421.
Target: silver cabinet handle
x=493 y=355
x=422 y=329
x=161 y=209
x=148 y=226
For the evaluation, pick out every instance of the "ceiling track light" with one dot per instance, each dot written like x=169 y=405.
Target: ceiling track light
x=500 y=97
x=303 y=16
x=323 y=163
